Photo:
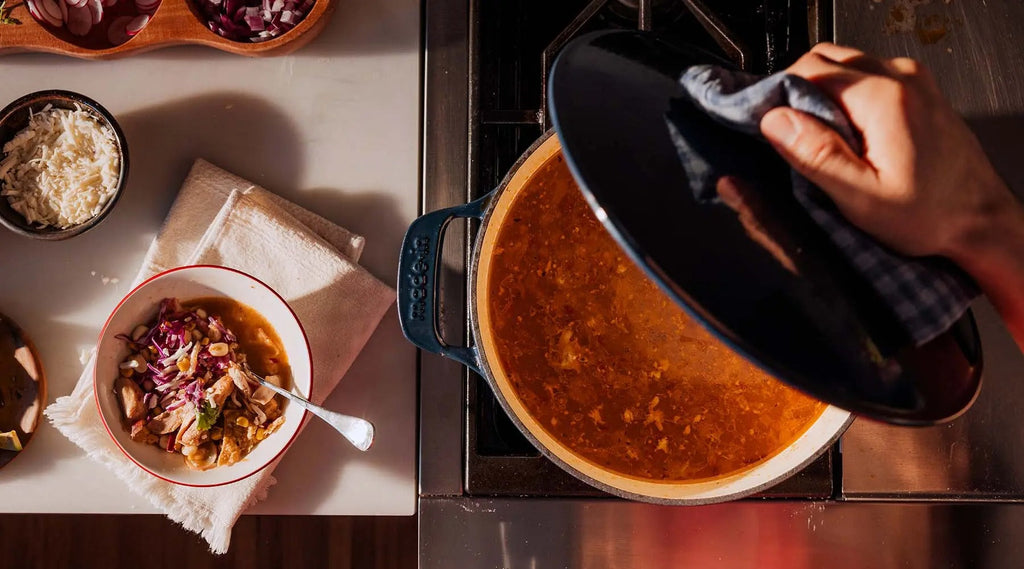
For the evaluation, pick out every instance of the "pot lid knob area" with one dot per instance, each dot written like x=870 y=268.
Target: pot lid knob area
x=757 y=271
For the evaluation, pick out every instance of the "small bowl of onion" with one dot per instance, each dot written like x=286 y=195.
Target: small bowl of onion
x=52 y=186
x=188 y=375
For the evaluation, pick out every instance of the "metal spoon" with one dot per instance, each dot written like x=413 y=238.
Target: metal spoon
x=358 y=431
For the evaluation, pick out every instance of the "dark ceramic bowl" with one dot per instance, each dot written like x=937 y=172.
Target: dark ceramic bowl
x=14 y=118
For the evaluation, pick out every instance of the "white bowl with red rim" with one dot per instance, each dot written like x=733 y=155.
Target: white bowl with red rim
x=140 y=307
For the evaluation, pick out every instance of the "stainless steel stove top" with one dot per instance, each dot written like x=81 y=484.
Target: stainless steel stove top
x=512 y=46
x=488 y=498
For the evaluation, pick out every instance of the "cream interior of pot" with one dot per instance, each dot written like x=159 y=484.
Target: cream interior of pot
x=607 y=375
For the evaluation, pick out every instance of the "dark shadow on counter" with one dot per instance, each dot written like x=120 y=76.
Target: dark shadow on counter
x=242 y=134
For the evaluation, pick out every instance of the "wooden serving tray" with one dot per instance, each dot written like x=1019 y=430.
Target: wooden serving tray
x=175 y=22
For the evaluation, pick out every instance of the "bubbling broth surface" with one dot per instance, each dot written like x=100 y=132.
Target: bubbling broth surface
x=608 y=364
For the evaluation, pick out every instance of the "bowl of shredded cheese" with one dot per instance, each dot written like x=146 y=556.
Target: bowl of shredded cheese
x=63 y=164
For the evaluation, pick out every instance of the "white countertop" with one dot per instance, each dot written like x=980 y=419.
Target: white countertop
x=333 y=127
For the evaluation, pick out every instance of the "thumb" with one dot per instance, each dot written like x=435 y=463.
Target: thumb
x=817 y=152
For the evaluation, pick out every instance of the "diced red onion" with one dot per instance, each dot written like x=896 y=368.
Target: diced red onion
x=255 y=23
x=252 y=20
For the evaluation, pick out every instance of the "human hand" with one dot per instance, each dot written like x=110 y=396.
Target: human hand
x=923 y=184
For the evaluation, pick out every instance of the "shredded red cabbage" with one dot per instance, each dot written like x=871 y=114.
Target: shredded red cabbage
x=167 y=381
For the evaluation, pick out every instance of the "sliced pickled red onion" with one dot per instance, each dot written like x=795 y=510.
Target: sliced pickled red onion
x=137 y=24
x=34 y=10
x=79 y=20
x=96 y=10
x=51 y=12
x=117 y=33
x=39 y=12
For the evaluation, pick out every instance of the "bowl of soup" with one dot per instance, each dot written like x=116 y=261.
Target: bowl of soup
x=174 y=375
x=598 y=367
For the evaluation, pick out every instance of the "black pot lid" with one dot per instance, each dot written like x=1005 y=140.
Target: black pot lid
x=823 y=330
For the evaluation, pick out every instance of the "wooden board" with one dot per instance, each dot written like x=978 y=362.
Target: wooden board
x=22 y=386
x=174 y=23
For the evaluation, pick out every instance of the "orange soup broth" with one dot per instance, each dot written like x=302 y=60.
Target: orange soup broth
x=608 y=364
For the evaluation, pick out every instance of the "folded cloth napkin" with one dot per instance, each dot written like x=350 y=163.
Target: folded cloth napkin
x=927 y=295
x=308 y=260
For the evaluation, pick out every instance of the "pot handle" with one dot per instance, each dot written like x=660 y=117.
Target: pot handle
x=418 y=271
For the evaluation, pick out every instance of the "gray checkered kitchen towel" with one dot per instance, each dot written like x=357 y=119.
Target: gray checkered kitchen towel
x=926 y=295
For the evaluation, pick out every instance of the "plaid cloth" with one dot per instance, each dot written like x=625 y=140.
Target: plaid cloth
x=927 y=295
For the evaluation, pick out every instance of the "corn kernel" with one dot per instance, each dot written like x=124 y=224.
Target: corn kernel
x=242 y=421
x=216 y=434
x=183 y=364
x=261 y=434
x=205 y=341
x=127 y=372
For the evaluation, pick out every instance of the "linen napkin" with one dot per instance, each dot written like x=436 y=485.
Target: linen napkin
x=927 y=295
x=308 y=260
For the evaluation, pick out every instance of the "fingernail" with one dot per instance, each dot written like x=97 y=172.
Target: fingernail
x=779 y=127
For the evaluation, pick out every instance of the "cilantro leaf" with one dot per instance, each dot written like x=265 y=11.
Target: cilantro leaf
x=206 y=415
x=5 y=15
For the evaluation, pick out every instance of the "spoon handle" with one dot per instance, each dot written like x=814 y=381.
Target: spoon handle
x=358 y=431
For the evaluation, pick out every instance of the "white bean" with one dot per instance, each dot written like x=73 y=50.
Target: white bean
x=219 y=349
